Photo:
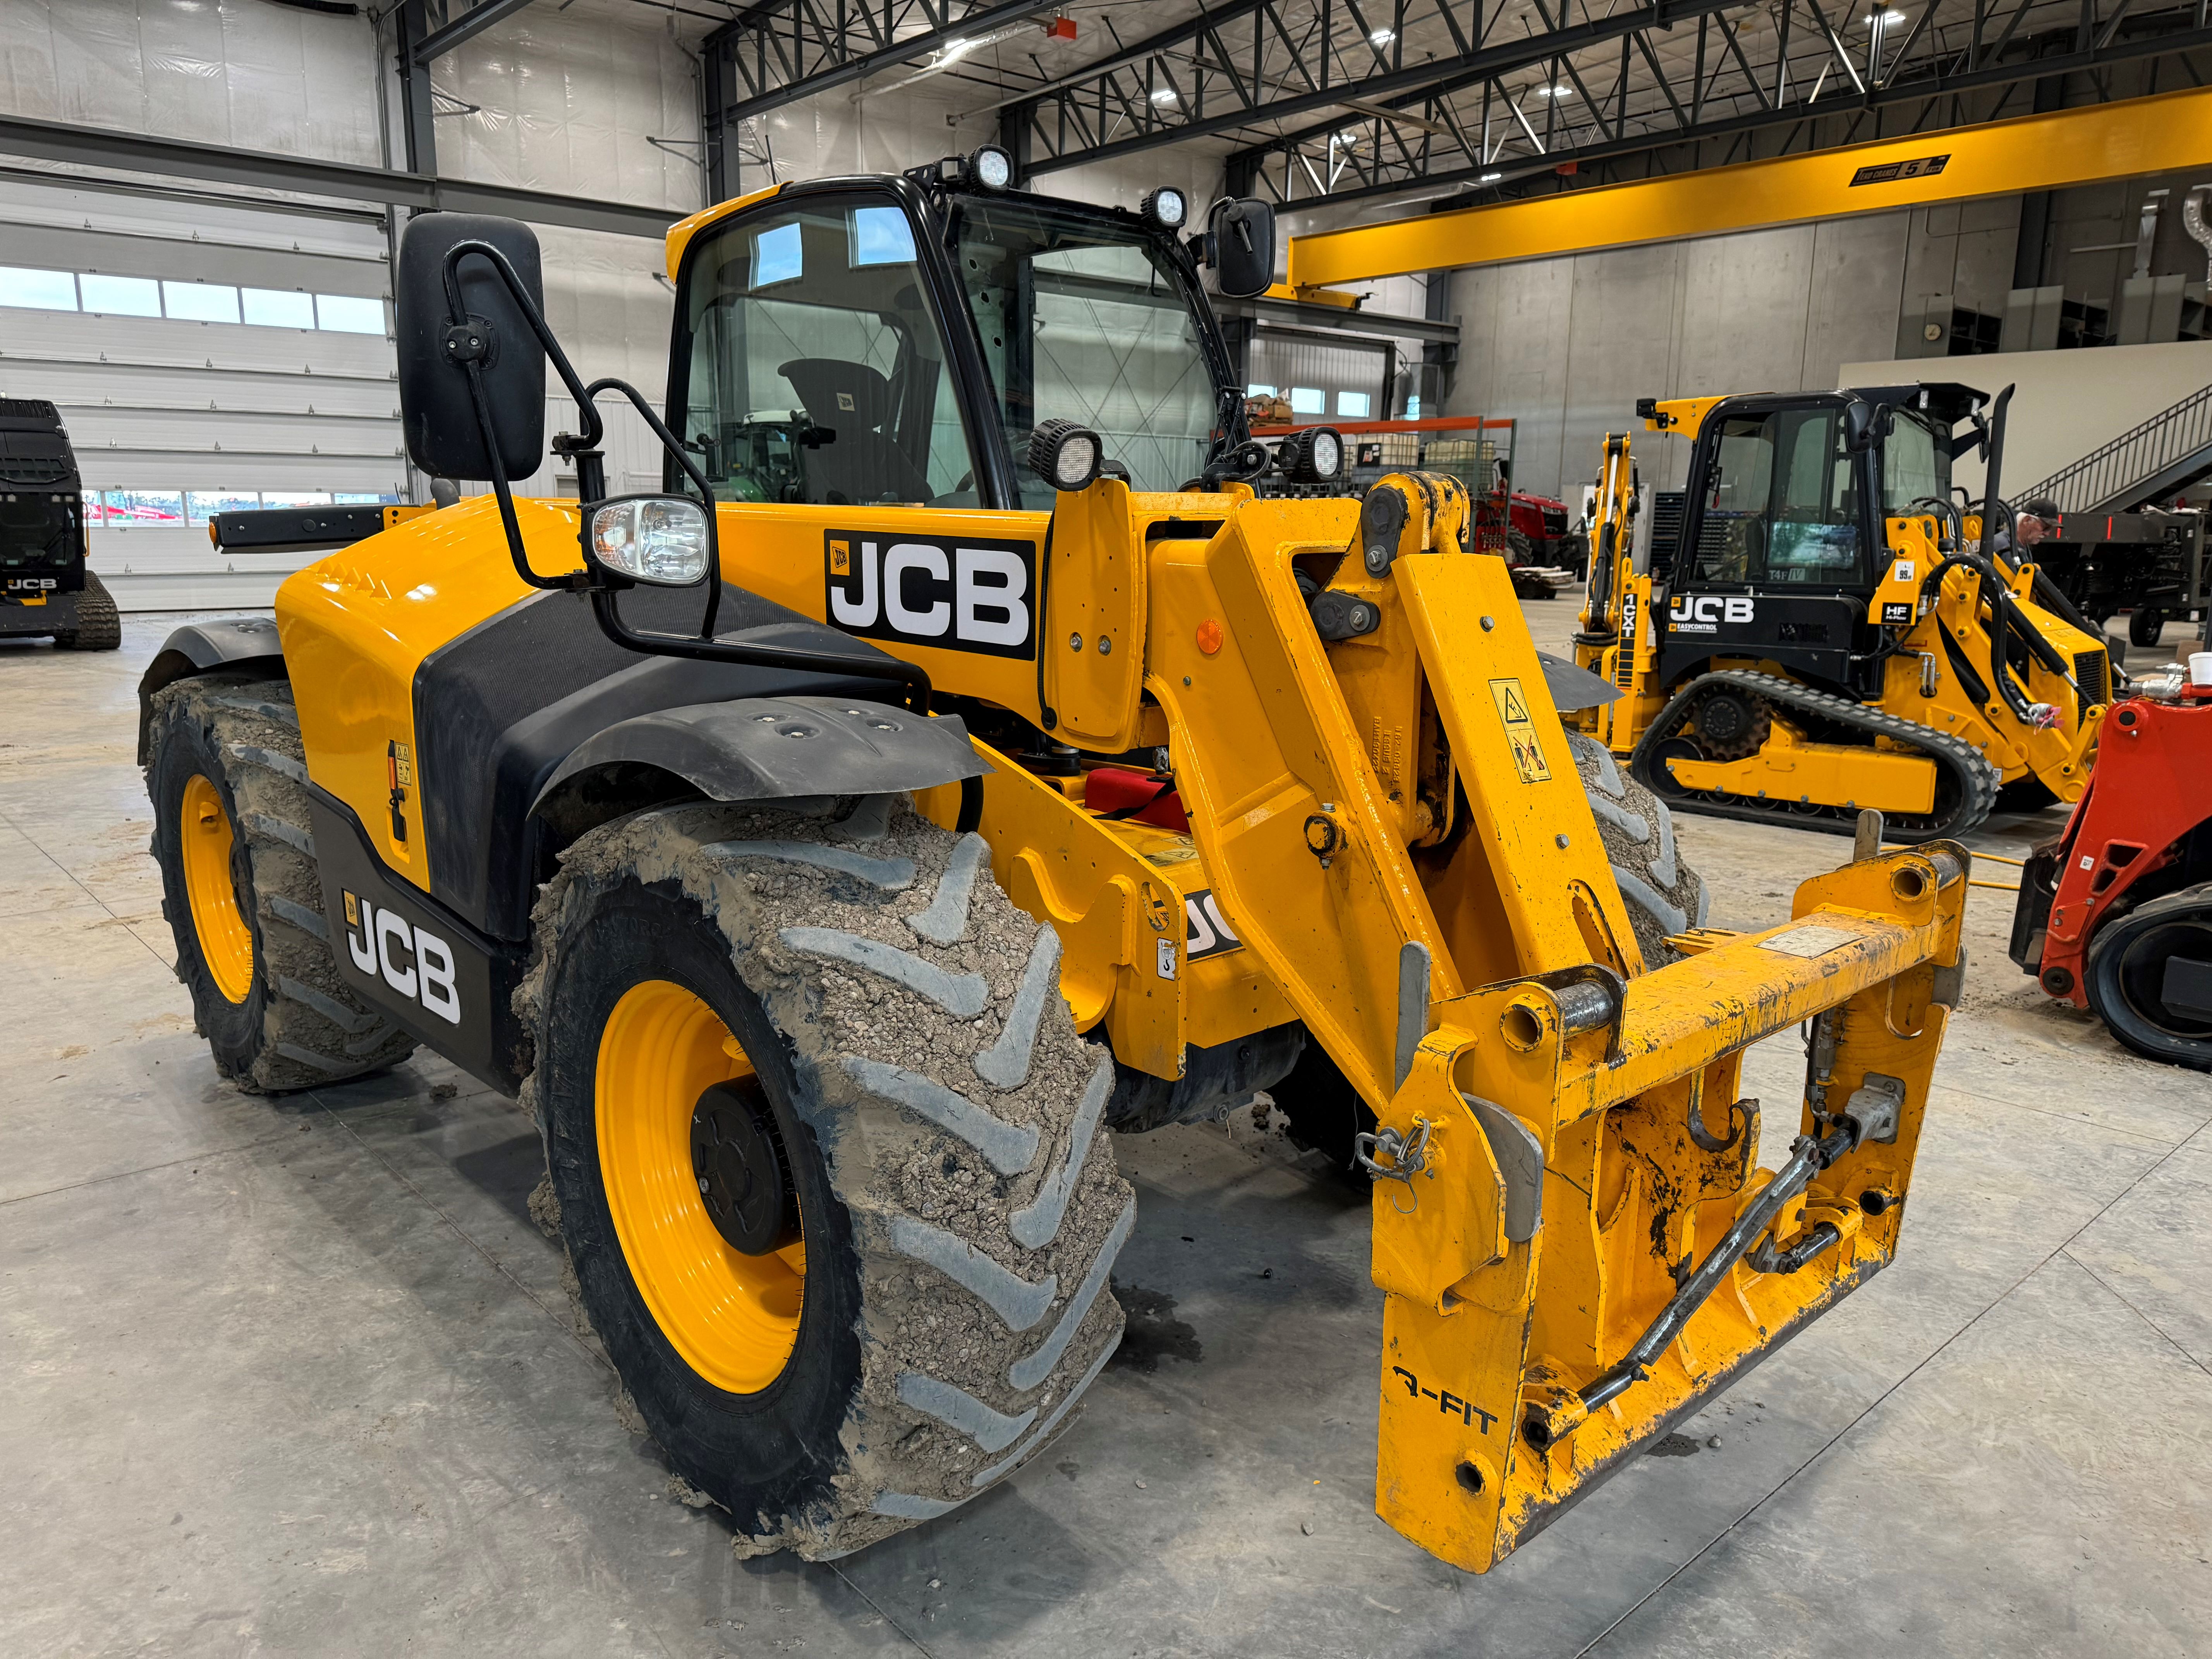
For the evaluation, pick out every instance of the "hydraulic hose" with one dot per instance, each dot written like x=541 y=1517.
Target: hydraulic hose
x=1808 y=1157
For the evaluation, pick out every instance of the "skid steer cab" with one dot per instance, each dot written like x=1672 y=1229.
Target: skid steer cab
x=1816 y=626
x=951 y=760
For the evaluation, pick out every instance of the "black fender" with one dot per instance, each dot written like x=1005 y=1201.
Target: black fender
x=247 y=643
x=1573 y=688
x=769 y=747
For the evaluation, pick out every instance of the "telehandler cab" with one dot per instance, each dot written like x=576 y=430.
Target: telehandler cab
x=1004 y=792
x=1815 y=626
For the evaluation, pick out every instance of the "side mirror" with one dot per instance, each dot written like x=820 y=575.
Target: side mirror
x=444 y=434
x=1860 y=420
x=1241 y=240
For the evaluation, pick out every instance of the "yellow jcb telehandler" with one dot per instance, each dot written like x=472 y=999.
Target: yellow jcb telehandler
x=1816 y=627
x=827 y=845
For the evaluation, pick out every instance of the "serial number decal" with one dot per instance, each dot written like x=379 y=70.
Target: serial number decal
x=1447 y=1402
x=963 y=595
x=1888 y=173
x=1206 y=931
x=413 y=961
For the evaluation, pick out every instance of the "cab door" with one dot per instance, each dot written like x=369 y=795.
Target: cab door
x=825 y=390
x=1776 y=561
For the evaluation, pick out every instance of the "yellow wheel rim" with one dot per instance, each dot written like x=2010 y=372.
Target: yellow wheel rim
x=733 y=1317
x=226 y=942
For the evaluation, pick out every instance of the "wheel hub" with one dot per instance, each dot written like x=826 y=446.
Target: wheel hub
x=737 y=1157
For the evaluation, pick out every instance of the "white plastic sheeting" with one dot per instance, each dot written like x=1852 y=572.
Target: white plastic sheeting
x=566 y=100
x=237 y=72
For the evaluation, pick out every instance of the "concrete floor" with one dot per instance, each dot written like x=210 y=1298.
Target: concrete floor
x=293 y=1377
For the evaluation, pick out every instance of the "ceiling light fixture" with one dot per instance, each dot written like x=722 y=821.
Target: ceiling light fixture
x=1489 y=177
x=1163 y=95
x=1382 y=36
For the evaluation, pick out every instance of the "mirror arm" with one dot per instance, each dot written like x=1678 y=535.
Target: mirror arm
x=457 y=316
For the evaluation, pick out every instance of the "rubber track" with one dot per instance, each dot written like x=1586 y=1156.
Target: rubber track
x=1977 y=779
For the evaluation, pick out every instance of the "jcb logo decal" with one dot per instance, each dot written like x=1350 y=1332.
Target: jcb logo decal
x=413 y=961
x=1206 y=932
x=1710 y=608
x=31 y=584
x=964 y=596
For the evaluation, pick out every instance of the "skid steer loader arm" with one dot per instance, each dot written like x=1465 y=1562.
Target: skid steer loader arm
x=1570 y=1220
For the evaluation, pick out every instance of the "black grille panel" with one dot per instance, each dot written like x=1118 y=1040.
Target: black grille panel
x=2092 y=674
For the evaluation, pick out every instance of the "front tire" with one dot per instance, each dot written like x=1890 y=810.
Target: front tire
x=877 y=1280
x=243 y=900
x=2145 y=623
x=2127 y=973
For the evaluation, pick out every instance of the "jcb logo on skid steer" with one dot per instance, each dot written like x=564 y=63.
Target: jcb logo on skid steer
x=1206 y=932
x=414 y=961
x=965 y=596
x=31 y=584
x=1700 y=613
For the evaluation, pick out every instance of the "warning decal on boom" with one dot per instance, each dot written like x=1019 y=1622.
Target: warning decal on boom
x=1520 y=730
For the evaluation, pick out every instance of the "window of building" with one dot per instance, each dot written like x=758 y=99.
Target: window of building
x=120 y=296
x=295 y=498
x=1308 y=400
x=200 y=303
x=349 y=314
x=276 y=307
x=136 y=508
x=200 y=505
x=1255 y=390
x=882 y=236
x=1354 y=405
x=37 y=290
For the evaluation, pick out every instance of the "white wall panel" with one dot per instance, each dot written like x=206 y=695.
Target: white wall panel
x=566 y=102
x=238 y=72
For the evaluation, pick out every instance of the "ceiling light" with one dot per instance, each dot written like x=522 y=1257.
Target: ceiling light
x=1163 y=95
x=1382 y=36
x=1884 y=17
x=1489 y=177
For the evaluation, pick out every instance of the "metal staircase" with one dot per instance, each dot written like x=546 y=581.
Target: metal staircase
x=2168 y=453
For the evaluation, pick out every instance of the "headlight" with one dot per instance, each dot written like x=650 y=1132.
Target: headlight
x=1164 y=208
x=660 y=539
x=991 y=168
x=1313 y=456
x=1064 y=455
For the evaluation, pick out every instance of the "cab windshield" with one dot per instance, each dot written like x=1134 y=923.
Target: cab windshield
x=1085 y=319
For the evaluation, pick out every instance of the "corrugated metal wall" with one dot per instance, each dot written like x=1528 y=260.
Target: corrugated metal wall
x=159 y=405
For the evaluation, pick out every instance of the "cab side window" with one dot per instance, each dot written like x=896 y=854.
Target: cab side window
x=816 y=370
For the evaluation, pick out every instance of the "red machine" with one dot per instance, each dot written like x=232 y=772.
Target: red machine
x=2116 y=915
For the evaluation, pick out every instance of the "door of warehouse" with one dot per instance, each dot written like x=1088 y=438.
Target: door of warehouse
x=206 y=354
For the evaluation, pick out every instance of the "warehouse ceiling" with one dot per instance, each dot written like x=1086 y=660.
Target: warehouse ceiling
x=1319 y=102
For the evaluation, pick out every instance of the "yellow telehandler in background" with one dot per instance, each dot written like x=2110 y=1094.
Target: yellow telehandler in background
x=1814 y=627
x=828 y=843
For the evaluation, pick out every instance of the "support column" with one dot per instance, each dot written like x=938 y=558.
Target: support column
x=415 y=102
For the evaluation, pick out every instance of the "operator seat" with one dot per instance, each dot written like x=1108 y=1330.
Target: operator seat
x=864 y=462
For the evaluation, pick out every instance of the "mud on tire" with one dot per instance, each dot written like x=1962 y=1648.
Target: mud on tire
x=1663 y=894
x=300 y=1025
x=939 y=1120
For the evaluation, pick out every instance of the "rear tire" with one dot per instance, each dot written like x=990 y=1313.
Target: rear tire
x=98 y=626
x=227 y=779
x=1664 y=894
x=933 y=1110
x=2145 y=623
x=2125 y=973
